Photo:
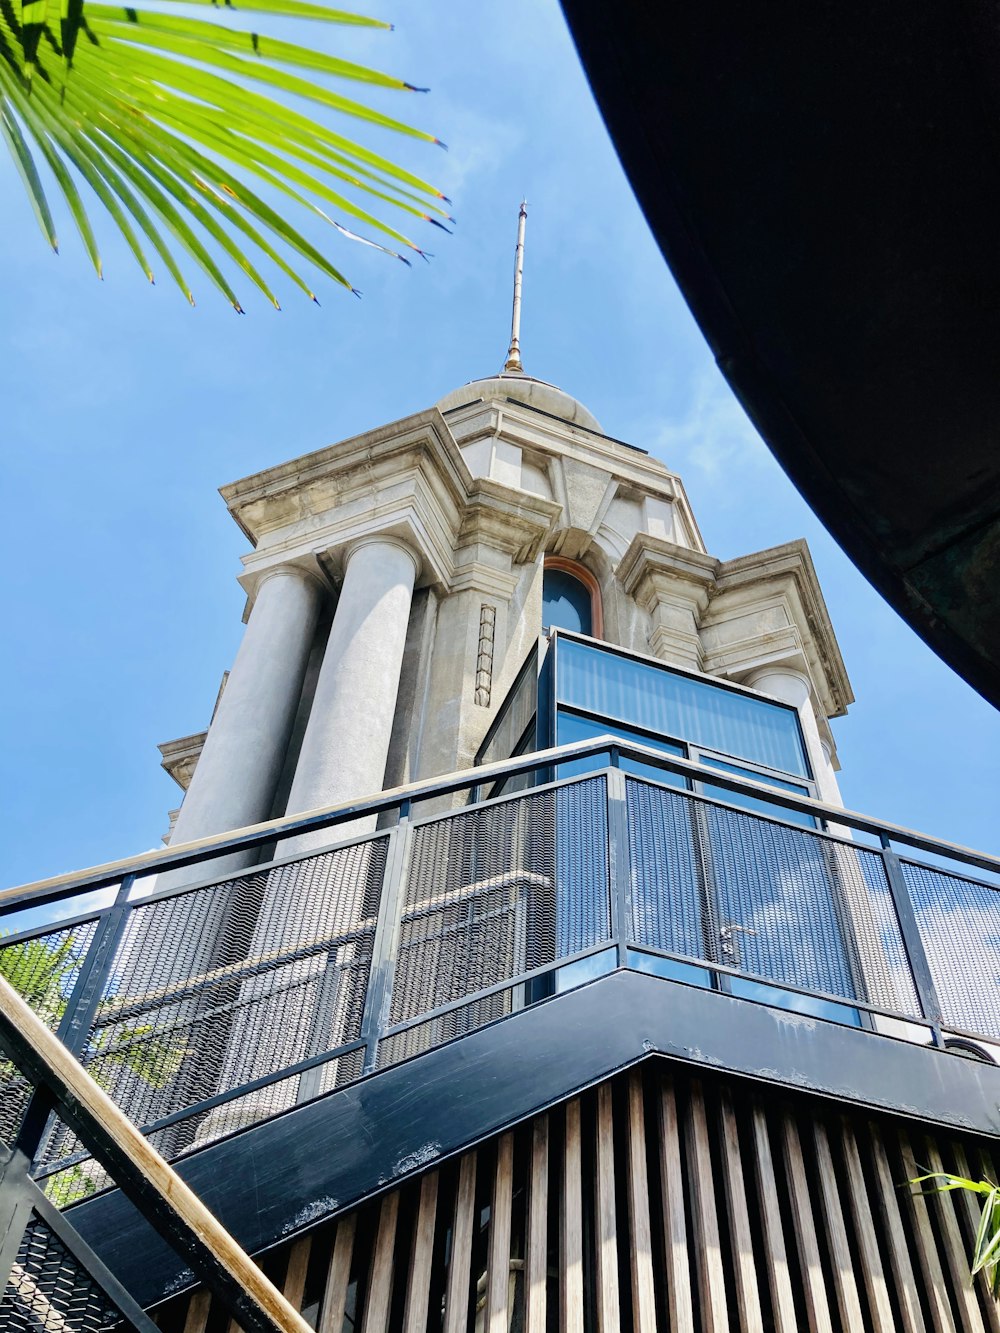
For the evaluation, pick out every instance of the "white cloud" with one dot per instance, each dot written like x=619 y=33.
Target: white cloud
x=714 y=436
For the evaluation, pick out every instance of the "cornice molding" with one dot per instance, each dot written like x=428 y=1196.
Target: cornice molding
x=787 y=573
x=653 y=567
x=180 y=757
x=513 y=521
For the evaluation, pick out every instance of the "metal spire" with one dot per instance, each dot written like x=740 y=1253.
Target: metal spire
x=513 y=362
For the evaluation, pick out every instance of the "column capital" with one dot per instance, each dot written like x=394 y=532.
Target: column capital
x=290 y=569
x=382 y=539
x=783 y=682
x=652 y=568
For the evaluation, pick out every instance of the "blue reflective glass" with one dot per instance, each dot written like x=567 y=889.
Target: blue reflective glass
x=670 y=968
x=662 y=701
x=754 y=803
x=800 y=1004
x=586 y=969
x=571 y=727
x=565 y=603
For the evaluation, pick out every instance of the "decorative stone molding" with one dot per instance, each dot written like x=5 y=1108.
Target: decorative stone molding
x=513 y=521
x=673 y=585
x=768 y=610
x=484 y=659
x=576 y=457
x=180 y=758
x=406 y=480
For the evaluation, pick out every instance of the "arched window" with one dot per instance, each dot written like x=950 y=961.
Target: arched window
x=571 y=598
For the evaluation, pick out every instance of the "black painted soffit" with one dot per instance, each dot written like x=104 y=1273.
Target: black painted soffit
x=272 y=1180
x=823 y=179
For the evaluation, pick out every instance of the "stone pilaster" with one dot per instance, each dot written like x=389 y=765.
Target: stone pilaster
x=673 y=585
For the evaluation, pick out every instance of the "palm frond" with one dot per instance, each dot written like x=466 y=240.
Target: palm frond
x=986 y=1249
x=167 y=118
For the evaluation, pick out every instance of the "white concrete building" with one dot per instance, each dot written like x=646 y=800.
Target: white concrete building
x=396 y=585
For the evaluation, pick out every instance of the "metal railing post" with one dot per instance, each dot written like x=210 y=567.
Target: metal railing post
x=920 y=968
x=379 y=993
x=85 y=998
x=619 y=861
x=81 y=1007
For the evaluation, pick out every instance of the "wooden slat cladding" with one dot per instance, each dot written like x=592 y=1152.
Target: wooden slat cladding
x=659 y=1202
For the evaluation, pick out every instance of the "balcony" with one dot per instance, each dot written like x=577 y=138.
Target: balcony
x=208 y=1006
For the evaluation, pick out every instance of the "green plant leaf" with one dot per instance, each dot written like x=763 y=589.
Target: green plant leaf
x=163 y=115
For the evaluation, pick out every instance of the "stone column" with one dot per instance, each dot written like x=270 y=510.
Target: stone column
x=239 y=766
x=346 y=743
x=792 y=687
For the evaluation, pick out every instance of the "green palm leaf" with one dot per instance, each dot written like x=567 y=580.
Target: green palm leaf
x=167 y=118
x=986 y=1248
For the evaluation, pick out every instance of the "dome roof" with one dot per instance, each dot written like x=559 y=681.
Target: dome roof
x=523 y=389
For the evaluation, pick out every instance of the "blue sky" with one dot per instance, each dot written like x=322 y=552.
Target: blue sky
x=126 y=410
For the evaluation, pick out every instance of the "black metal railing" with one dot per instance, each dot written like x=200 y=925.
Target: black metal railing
x=206 y=1004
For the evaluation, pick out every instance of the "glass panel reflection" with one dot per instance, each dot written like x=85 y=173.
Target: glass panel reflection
x=663 y=701
x=572 y=727
x=754 y=803
x=565 y=603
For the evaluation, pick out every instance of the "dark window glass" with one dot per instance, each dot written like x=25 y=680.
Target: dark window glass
x=666 y=703
x=754 y=803
x=571 y=727
x=566 y=603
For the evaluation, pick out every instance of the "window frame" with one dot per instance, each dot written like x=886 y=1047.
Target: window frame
x=561 y=565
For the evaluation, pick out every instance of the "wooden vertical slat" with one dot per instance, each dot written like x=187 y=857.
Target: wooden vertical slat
x=608 y=1316
x=708 y=1248
x=498 y=1274
x=379 y=1295
x=956 y=1255
x=745 y=1268
x=841 y=1260
x=970 y=1207
x=778 y=1275
x=879 y=1305
x=457 y=1297
x=536 y=1276
x=421 y=1256
x=643 y=1291
x=887 y=1202
x=813 y=1286
x=680 y=1311
x=928 y=1259
x=338 y=1277
x=197 y=1311
x=295 y=1275
x=571 y=1226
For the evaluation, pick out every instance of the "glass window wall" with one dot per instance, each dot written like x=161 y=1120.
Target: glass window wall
x=665 y=702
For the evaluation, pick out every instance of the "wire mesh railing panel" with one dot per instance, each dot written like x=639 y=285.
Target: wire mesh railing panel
x=446 y=1027
x=878 y=954
x=668 y=905
x=779 y=902
x=780 y=908
x=959 y=923
x=50 y=1292
x=500 y=890
x=43 y=970
x=250 y=1108
x=214 y=987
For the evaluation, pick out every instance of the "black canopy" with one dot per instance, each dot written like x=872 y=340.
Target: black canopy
x=823 y=178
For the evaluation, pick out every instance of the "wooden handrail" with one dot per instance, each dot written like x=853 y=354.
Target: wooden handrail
x=141 y=1173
